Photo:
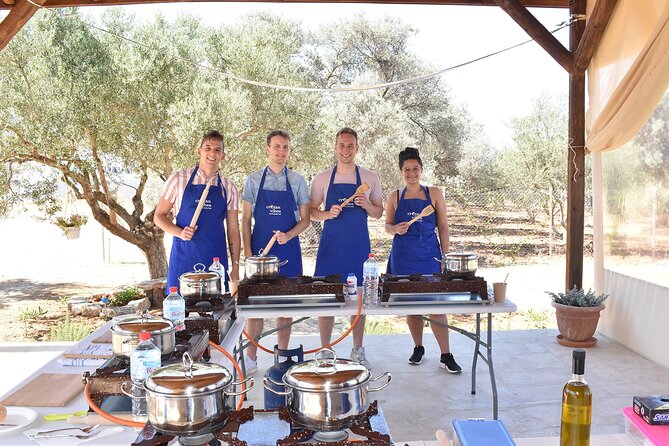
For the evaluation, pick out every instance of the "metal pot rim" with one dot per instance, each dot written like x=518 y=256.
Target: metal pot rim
x=188 y=379
x=118 y=329
x=326 y=374
x=262 y=259
x=460 y=255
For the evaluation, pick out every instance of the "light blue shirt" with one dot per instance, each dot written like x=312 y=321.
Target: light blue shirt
x=276 y=182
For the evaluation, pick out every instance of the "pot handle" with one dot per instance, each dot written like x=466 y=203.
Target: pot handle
x=390 y=378
x=126 y=392
x=241 y=392
x=199 y=270
x=438 y=260
x=267 y=380
x=282 y=263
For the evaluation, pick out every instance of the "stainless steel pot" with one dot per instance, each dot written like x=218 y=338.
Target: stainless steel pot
x=200 y=284
x=459 y=262
x=262 y=267
x=125 y=334
x=190 y=398
x=327 y=394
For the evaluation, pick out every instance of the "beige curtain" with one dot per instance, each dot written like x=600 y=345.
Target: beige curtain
x=629 y=72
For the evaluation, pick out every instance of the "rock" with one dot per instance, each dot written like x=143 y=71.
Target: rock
x=86 y=309
x=154 y=290
x=134 y=307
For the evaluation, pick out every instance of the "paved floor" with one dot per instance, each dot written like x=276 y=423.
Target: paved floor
x=531 y=369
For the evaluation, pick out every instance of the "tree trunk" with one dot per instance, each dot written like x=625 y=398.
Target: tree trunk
x=156 y=256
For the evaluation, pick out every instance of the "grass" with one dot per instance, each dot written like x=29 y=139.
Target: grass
x=68 y=331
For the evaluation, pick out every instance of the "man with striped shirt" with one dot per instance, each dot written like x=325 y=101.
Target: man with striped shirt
x=208 y=237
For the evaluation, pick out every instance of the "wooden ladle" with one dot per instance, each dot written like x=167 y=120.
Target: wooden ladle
x=198 y=209
x=268 y=246
x=364 y=187
x=428 y=210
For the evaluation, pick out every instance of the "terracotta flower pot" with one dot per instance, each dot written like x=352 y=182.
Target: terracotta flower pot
x=577 y=324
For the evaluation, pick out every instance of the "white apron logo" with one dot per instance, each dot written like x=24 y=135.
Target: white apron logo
x=206 y=205
x=413 y=215
x=350 y=204
x=273 y=209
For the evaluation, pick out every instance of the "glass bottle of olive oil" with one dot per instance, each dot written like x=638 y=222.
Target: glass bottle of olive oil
x=576 y=406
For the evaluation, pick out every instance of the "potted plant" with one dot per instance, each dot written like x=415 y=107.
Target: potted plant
x=577 y=312
x=71 y=225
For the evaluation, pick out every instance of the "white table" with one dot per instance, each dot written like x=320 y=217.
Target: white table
x=482 y=346
x=79 y=403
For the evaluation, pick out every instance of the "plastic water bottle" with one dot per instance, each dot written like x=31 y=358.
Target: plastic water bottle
x=352 y=286
x=370 y=283
x=144 y=359
x=218 y=267
x=174 y=308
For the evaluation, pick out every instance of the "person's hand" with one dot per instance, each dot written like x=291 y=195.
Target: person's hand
x=401 y=228
x=187 y=232
x=362 y=201
x=234 y=272
x=334 y=211
x=281 y=237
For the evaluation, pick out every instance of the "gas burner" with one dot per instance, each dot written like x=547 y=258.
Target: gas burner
x=199 y=440
x=330 y=437
x=330 y=286
x=417 y=277
x=331 y=278
x=437 y=283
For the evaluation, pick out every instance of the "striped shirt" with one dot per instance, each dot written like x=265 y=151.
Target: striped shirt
x=176 y=184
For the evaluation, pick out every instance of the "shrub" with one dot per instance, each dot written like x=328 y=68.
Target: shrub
x=125 y=295
x=578 y=298
x=67 y=331
x=26 y=314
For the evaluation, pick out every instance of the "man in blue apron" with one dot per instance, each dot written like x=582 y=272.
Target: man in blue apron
x=276 y=199
x=344 y=244
x=206 y=239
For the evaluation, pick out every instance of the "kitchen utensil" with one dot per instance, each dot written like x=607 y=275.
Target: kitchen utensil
x=85 y=430
x=459 y=263
x=364 y=187
x=268 y=246
x=47 y=389
x=97 y=419
x=125 y=334
x=7 y=425
x=198 y=209
x=428 y=210
x=189 y=398
x=78 y=436
x=200 y=284
x=328 y=393
x=64 y=416
x=17 y=419
x=262 y=267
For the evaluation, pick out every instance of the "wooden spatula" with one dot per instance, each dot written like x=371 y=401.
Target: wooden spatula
x=429 y=210
x=198 y=209
x=364 y=187
x=268 y=246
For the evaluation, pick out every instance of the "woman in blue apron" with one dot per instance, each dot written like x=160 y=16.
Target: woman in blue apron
x=344 y=244
x=275 y=210
x=415 y=247
x=209 y=240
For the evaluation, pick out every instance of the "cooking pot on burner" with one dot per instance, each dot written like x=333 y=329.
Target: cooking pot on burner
x=459 y=263
x=262 y=267
x=190 y=398
x=200 y=284
x=125 y=334
x=328 y=393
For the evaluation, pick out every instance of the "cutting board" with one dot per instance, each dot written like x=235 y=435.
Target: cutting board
x=47 y=389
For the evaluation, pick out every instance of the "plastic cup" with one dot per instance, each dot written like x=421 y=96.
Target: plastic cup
x=499 y=291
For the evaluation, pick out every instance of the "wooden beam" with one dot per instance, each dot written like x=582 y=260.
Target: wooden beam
x=14 y=21
x=73 y=3
x=537 y=31
x=576 y=161
x=594 y=29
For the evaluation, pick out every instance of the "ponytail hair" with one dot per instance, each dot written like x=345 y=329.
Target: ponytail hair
x=409 y=153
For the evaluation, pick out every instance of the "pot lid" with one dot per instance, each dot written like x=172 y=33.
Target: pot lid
x=188 y=378
x=199 y=274
x=326 y=373
x=134 y=324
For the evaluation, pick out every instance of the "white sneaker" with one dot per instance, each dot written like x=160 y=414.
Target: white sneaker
x=358 y=355
x=250 y=365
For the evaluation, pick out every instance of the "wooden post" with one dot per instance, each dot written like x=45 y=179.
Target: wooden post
x=576 y=158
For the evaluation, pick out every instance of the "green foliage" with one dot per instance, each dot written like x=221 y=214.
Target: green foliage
x=28 y=314
x=68 y=331
x=380 y=327
x=125 y=295
x=73 y=221
x=578 y=298
x=537 y=319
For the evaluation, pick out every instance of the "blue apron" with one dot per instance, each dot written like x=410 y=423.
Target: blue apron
x=344 y=244
x=209 y=240
x=414 y=252
x=276 y=210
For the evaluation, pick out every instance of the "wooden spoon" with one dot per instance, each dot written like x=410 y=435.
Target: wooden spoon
x=268 y=246
x=364 y=187
x=203 y=198
x=429 y=210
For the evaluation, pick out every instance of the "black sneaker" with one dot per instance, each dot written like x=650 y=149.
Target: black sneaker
x=417 y=355
x=448 y=362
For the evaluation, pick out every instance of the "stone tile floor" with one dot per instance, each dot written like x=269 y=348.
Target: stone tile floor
x=530 y=368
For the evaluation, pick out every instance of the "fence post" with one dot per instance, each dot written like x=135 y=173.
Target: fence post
x=550 y=221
